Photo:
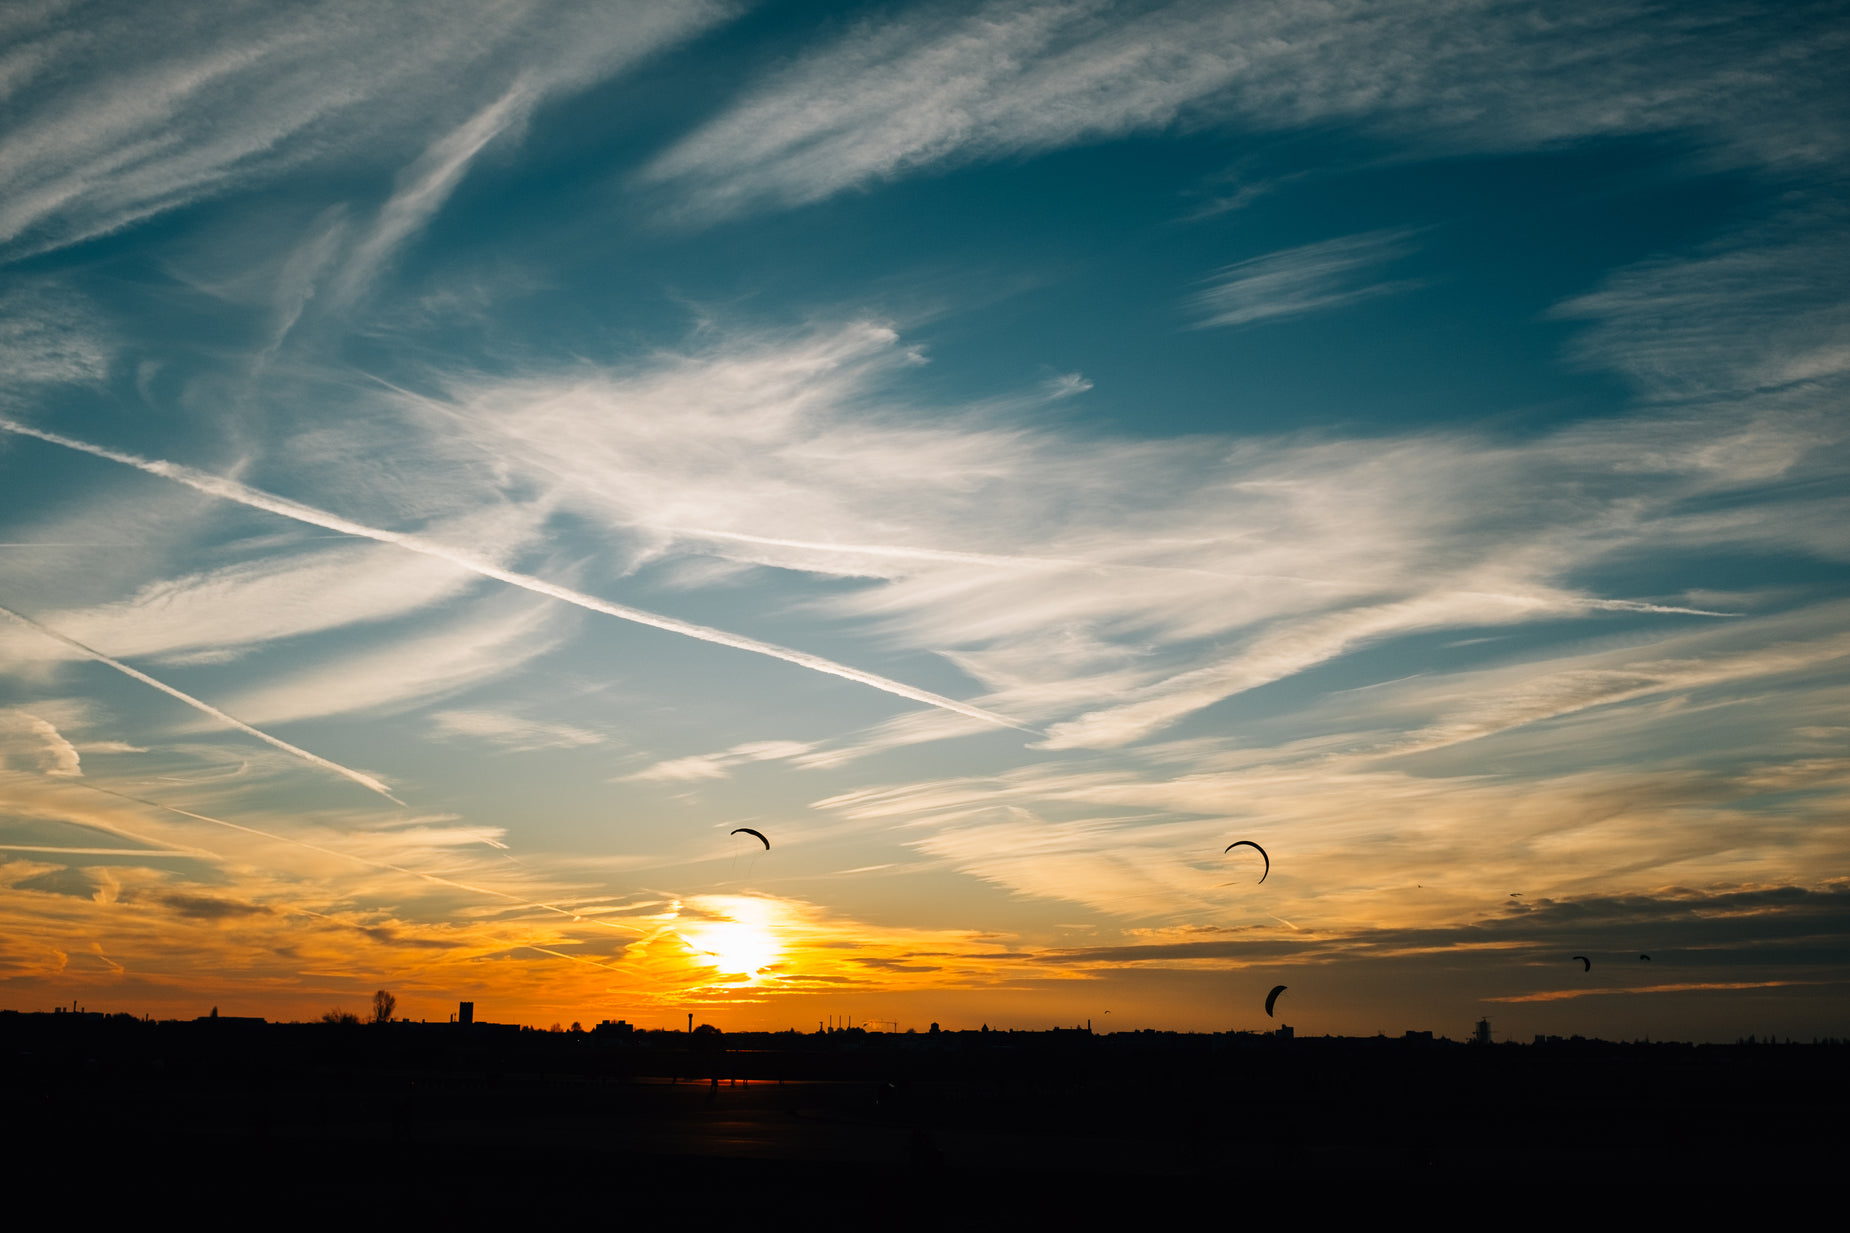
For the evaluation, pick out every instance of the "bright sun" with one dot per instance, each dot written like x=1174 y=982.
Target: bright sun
x=744 y=944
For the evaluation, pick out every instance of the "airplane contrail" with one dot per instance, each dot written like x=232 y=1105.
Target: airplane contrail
x=243 y=494
x=979 y=558
x=559 y=954
x=1636 y=605
x=359 y=777
x=901 y=552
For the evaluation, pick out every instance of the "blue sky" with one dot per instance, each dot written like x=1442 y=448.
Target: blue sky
x=462 y=461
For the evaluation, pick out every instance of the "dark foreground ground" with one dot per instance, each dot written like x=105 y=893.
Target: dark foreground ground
x=206 y=1119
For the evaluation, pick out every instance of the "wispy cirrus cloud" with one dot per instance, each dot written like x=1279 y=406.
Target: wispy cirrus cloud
x=388 y=858
x=426 y=184
x=519 y=733
x=761 y=450
x=1621 y=763
x=1759 y=310
x=119 y=112
x=716 y=766
x=1350 y=843
x=235 y=608
x=1175 y=574
x=940 y=85
x=436 y=660
x=1772 y=654
x=1313 y=278
x=50 y=335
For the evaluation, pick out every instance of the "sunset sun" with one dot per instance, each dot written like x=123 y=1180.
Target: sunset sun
x=743 y=945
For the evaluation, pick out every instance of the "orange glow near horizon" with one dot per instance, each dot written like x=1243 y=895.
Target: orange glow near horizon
x=292 y=917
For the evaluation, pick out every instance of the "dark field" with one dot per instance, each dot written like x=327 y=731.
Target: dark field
x=494 y=1123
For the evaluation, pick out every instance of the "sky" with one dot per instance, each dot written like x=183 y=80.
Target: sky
x=461 y=462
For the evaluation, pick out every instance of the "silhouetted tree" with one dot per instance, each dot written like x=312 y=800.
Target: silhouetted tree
x=337 y=1015
x=708 y=1039
x=383 y=1006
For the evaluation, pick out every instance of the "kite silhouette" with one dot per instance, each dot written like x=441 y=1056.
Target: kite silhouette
x=1247 y=843
x=1271 y=998
x=1587 y=961
x=746 y=830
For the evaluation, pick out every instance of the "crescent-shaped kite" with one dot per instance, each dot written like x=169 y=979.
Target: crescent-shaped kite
x=1247 y=843
x=1271 y=998
x=1587 y=961
x=746 y=830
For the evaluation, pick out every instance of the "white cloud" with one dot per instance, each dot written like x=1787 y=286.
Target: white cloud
x=1101 y=589
x=30 y=742
x=426 y=184
x=940 y=85
x=1110 y=587
x=497 y=637
x=1761 y=310
x=1134 y=868
x=683 y=770
x=1313 y=278
x=117 y=113
x=49 y=335
x=1781 y=661
x=247 y=605
x=1490 y=703
x=718 y=765
x=511 y=731
x=1351 y=840
x=1276 y=655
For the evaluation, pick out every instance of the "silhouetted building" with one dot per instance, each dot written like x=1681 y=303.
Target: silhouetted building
x=465 y=1013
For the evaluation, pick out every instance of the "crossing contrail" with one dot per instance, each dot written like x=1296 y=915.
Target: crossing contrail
x=359 y=777
x=243 y=494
